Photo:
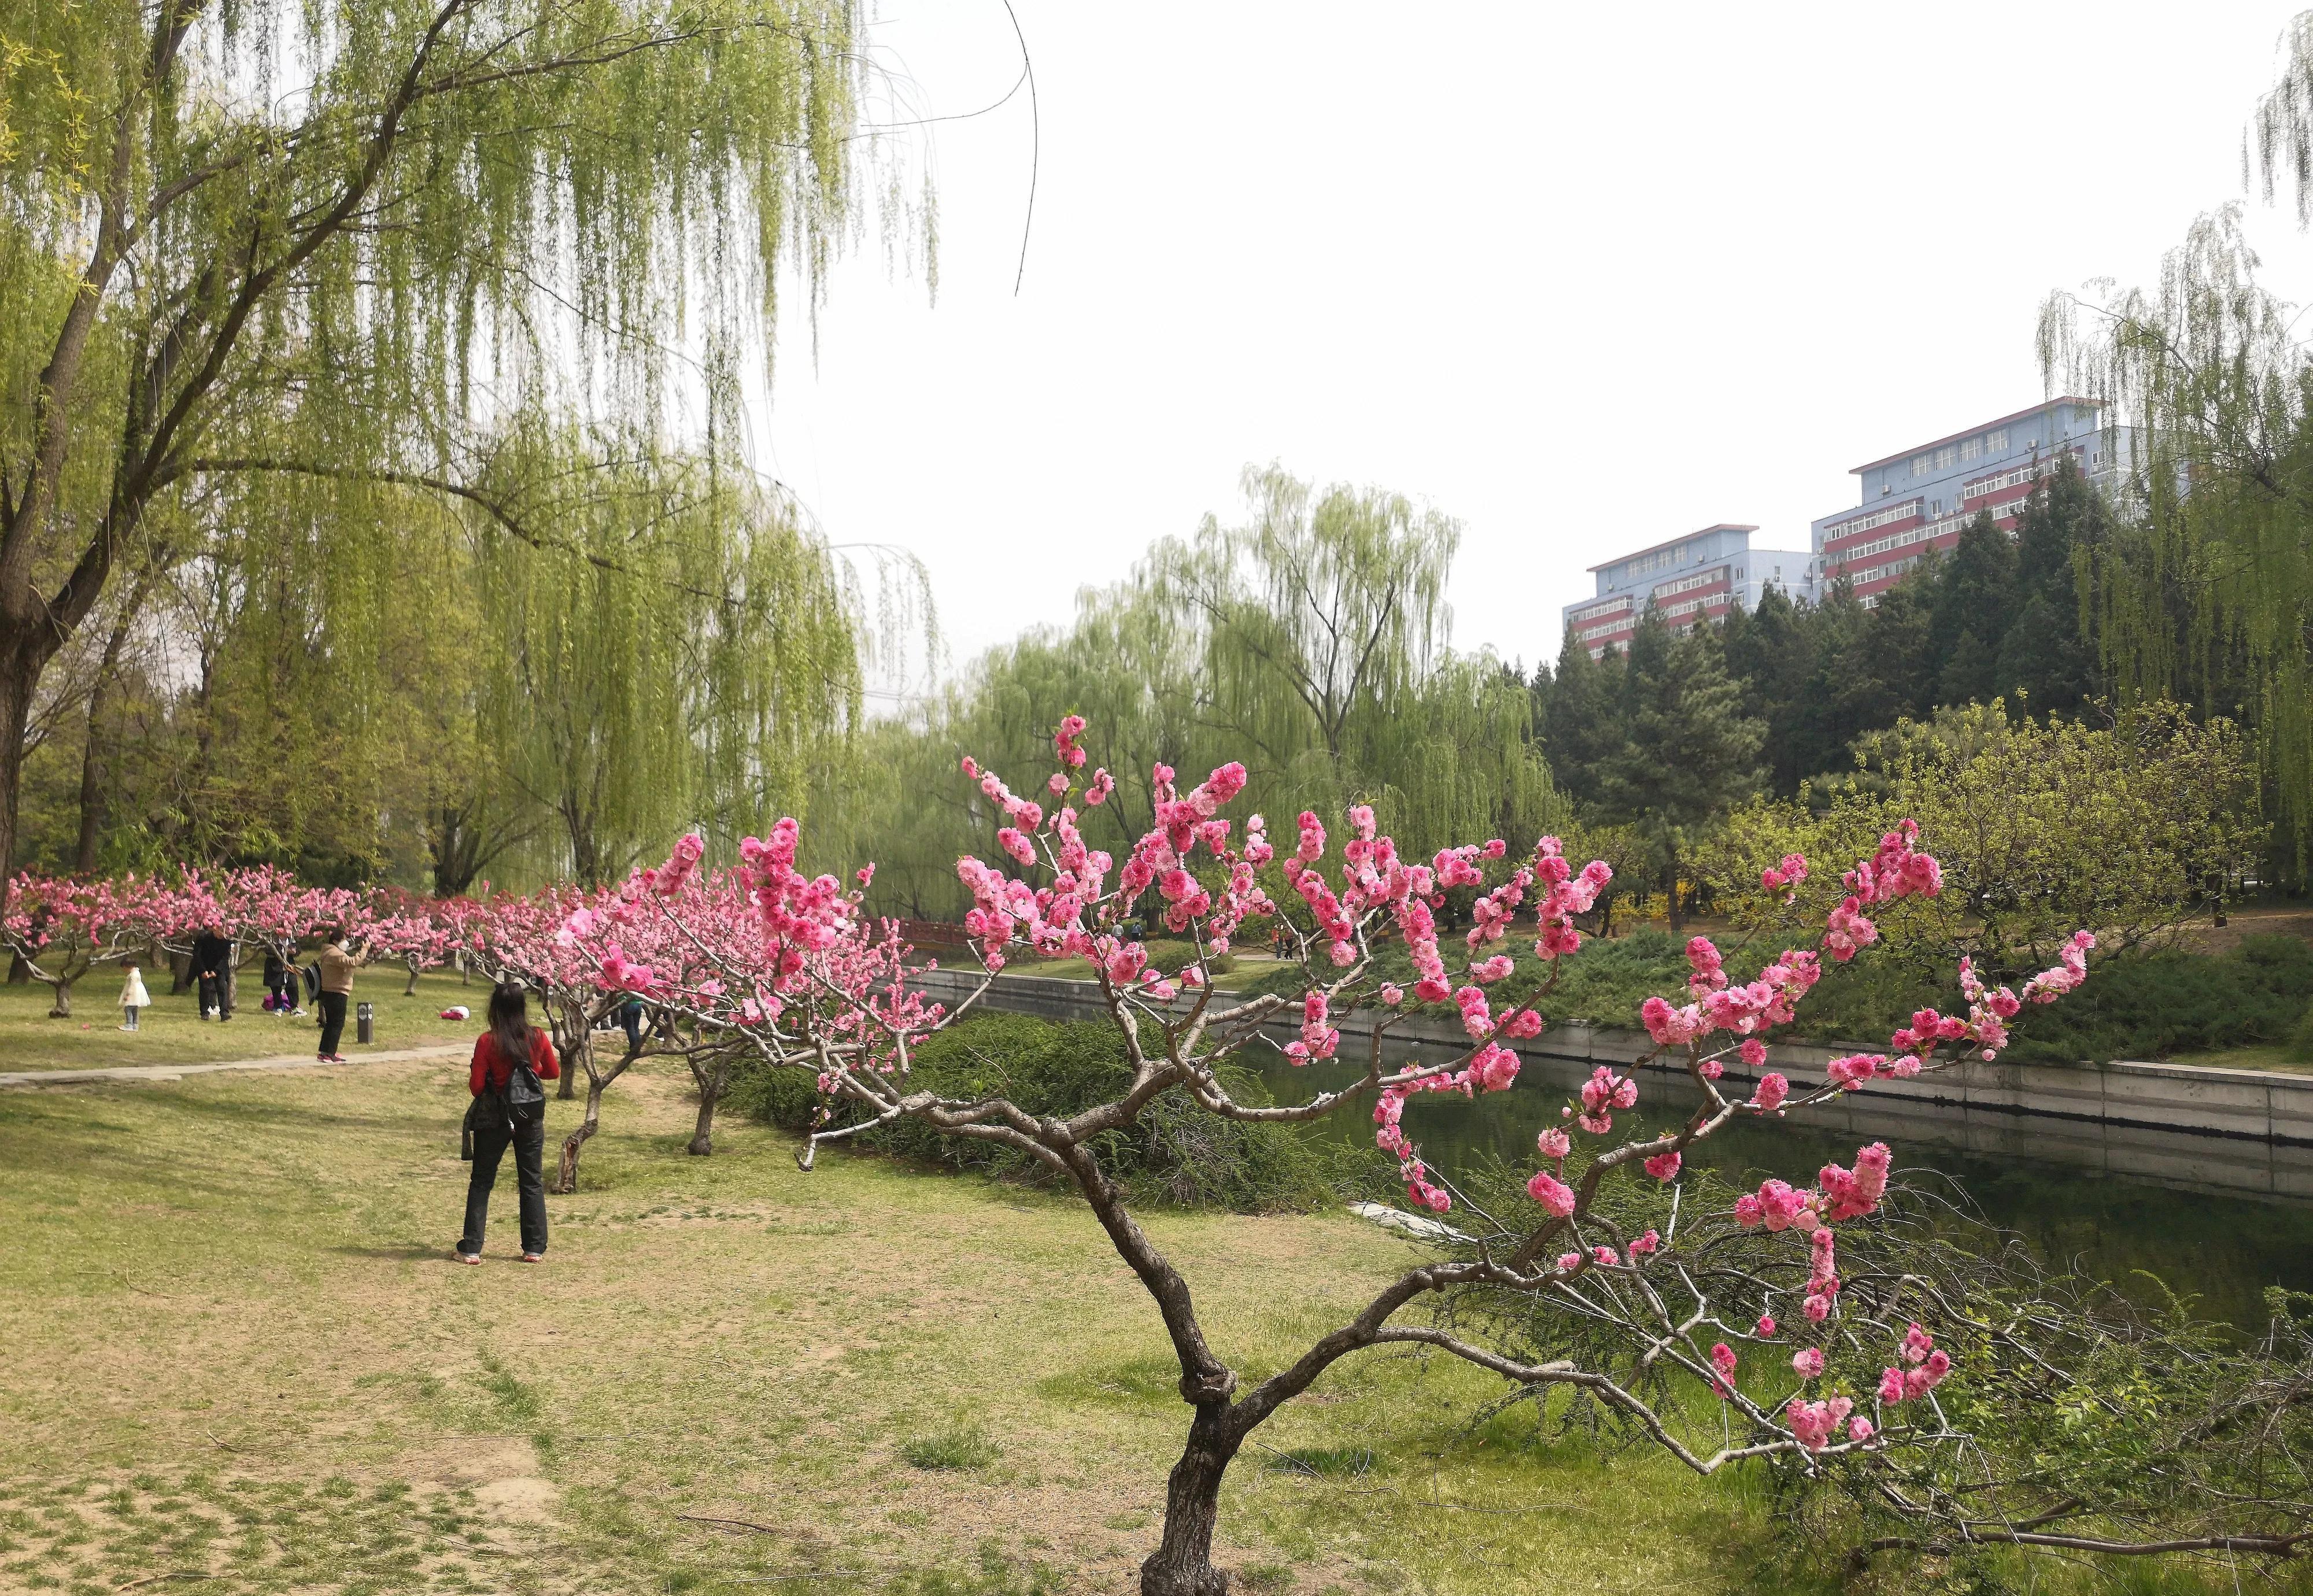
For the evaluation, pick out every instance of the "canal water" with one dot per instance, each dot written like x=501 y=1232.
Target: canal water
x=2110 y=1205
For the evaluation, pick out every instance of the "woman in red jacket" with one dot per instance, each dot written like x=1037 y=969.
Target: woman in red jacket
x=511 y=1037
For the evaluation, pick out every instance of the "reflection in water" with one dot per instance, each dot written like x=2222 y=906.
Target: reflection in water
x=2093 y=1199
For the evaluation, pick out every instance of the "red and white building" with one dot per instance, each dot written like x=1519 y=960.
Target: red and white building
x=1686 y=581
x=1920 y=499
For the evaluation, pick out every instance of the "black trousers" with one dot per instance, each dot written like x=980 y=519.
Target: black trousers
x=216 y=993
x=333 y=1022
x=490 y=1143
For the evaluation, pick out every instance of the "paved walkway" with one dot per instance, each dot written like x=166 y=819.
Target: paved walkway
x=288 y=1060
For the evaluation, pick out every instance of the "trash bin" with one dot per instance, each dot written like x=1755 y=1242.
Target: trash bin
x=365 y=1022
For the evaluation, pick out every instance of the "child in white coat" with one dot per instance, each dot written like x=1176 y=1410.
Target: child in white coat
x=133 y=998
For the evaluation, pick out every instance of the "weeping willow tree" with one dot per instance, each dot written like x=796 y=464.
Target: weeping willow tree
x=2205 y=591
x=1311 y=643
x=345 y=238
x=677 y=650
x=1321 y=629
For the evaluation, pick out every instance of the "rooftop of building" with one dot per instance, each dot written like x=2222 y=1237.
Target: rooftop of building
x=1674 y=543
x=2041 y=408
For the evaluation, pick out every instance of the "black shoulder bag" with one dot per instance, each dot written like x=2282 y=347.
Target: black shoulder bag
x=525 y=1095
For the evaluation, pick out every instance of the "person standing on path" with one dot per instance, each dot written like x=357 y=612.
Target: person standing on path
x=213 y=965
x=133 y=998
x=337 y=987
x=510 y=1039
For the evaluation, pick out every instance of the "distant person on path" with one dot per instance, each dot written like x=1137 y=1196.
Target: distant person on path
x=336 y=967
x=510 y=1039
x=133 y=998
x=213 y=963
x=630 y=1016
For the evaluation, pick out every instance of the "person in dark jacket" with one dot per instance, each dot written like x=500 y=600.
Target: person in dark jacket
x=213 y=966
x=280 y=983
x=510 y=1038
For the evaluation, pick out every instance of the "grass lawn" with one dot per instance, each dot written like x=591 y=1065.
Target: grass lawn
x=2271 y=1056
x=172 y=1032
x=239 y=1354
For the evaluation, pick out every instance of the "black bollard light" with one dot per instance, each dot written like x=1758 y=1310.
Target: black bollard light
x=364 y=1019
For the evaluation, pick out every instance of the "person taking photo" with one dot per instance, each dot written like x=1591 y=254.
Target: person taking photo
x=337 y=972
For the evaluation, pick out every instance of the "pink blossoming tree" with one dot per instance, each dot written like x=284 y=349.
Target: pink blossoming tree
x=63 y=928
x=789 y=965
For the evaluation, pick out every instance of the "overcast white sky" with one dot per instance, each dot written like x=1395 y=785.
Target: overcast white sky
x=1584 y=278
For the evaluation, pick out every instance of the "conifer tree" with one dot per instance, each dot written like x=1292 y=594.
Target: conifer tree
x=1689 y=755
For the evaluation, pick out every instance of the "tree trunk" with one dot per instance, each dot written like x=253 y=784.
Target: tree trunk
x=410 y=991
x=21 y=660
x=1677 y=900
x=711 y=1091
x=1181 y=1565
x=63 y=1007
x=574 y=1056
x=20 y=971
x=565 y=1173
x=91 y=786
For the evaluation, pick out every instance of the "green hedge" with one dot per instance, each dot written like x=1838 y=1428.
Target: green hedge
x=1177 y=1153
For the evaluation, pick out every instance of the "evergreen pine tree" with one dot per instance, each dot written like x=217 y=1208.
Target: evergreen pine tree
x=1976 y=596
x=1581 y=723
x=1771 y=656
x=2043 y=652
x=1689 y=754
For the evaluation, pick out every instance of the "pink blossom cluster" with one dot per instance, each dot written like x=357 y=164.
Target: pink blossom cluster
x=1897 y=869
x=2070 y=969
x=1840 y=1195
x=1318 y=1040
x=1565 y=895
x=1923 y=1370
x=1603 y=1092
x=1813 y=1424
x=1757 y=1005
x=1786 y=877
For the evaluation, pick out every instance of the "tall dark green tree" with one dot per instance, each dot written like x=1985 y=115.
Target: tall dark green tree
x=2043 y=660
x=1770 y=653
x=1689 y=754
x=1974 y=591
x=1581 y=719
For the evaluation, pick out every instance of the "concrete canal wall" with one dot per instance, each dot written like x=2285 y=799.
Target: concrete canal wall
x=2241 y=1131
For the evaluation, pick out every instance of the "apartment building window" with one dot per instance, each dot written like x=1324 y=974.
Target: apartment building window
x=1996 y=440
x=1970 y=448
x=1947 y=457
x=1922 y=464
